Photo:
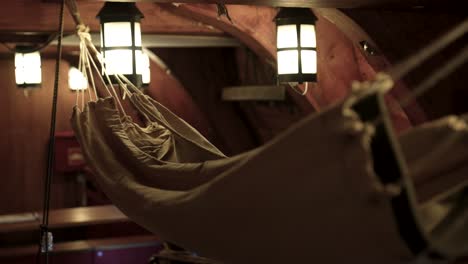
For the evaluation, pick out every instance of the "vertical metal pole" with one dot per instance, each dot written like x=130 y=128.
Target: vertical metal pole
x=44 y=231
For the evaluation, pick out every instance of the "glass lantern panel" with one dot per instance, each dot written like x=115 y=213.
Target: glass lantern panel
x=137 y=34
x=286 y=36
x=145 y=63
x=146 y=78
x=28 y=68
x=19 y=60
x=33 y=75
x=32 y=60
x=19 y=74
x=308 y=38
x=119 y=61
x=309 y=61
x=19 y=71
x=288 y=62
x=118 y=34
x=140 y=61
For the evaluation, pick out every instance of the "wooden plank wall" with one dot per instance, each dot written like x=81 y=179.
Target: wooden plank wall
x=204 y=72
x=24 y=132
x=24 y=120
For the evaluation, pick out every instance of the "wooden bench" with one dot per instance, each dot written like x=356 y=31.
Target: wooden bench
x=102 y=229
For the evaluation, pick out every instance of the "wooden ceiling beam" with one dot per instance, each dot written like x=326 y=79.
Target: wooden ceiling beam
x=37 y=16
x=406 y=4
x=25 y=38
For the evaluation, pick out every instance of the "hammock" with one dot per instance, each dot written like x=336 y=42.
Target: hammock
x=139 y=146
x=259 y=206
x=217 y=210
x=294 y=199
x=437 y=155
x=184 y=135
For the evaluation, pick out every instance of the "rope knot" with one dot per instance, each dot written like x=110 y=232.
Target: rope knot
x=382 y=81
x=83 y=32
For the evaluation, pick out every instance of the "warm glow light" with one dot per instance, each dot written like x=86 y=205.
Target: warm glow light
x=145 y=64
x=309 y=61
x=308 y=39
x=140 y=61
x=76 y=80
x=28 y=70
x=286 y=37
x=296 y=45
x=288 y=62
x=121 y=40
x=119 y=34
x=119 y=61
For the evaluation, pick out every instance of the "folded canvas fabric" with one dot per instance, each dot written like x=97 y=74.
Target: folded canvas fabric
x=417 y=143
x=136 y=145
x=153 y=139
x=268 y=208
x=186 y=144
x=437 y=156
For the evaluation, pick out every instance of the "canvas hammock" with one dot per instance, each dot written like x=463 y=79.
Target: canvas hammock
x=302 y=196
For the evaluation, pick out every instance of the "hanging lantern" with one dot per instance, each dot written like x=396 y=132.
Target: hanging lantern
x=146 y=77
x=76 y=80
x=121 y=40
x=28 y=70
x=296 y=45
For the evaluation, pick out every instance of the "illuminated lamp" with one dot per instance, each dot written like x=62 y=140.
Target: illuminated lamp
x=76 y=80
x=28 y=71
x=121 y=40
x=296 y=45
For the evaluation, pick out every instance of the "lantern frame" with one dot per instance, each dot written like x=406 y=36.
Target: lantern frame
x=122 y=12
x=298 y=17
x=27 y=50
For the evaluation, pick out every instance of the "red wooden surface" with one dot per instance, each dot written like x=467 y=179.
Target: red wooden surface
x=33 y=15
x=203 y=72
x=126 y=250
x=134 y=255
x=24 y=128
x=68 y=156
x=337 y=63
x=395 y=4
x=71 y=217
x=168 y=90
x=85 y=257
